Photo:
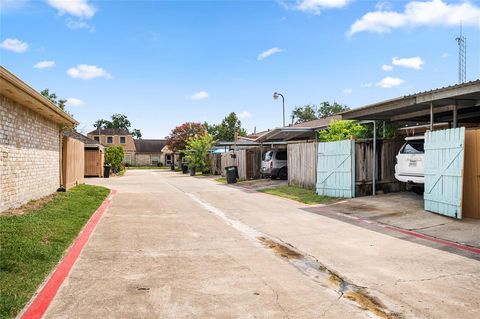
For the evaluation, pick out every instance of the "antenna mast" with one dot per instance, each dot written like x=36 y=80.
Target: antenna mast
x=462 y=57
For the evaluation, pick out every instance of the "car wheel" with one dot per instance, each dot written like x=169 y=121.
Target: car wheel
x=283 y=173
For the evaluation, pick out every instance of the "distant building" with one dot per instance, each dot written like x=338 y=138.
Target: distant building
x=116 y=137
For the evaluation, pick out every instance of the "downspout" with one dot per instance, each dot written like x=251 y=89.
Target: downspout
x=61 y=188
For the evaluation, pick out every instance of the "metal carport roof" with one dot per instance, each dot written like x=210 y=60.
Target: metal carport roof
x=465 y=98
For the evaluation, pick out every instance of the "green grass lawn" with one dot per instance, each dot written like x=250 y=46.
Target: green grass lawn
x=32 y=244
x=306 y=196
x=148 y=167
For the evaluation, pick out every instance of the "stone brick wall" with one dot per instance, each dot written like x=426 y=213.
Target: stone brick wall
x=29 y=155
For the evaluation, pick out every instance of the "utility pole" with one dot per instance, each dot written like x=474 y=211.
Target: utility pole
x=462 y=57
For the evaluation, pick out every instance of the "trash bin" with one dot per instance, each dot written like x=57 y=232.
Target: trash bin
x=184 y=168
x=232 y=174
x=172 y=167
x=106 y=171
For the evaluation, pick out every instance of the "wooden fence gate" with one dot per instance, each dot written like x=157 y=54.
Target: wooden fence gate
x=335 y=169
x=94 y=160
x=444 y=153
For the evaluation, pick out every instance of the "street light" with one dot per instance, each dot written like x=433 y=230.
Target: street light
x=275 y=96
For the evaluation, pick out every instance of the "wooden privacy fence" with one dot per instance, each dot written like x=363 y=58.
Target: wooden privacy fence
x=471 y=175
x=302 y=164
x=72 y=162
x=94 y=161
x=247 y=161
x=387 y=151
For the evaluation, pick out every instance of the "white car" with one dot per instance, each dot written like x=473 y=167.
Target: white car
x=410 y=161
x=274 y=164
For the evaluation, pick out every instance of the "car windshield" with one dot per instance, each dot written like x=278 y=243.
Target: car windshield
x=413 y=147
x=267 y=156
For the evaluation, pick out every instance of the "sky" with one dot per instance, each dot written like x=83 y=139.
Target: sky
x=163 y=63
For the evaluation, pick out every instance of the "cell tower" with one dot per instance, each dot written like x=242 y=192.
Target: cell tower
x=462 y=57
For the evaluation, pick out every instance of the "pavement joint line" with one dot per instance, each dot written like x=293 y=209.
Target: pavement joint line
x=39 y=303
x=306 y=264
x=402 y=231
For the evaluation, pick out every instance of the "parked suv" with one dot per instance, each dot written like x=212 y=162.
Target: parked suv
x=410 y=161
x=274 y=165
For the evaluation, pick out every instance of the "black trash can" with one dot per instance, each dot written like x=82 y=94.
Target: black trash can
x=232 y=174
x=184 y=168
x=172 y=167
x=106 y=171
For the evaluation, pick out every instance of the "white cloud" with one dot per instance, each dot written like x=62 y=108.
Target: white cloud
x=315 y=6
x=244 y=115
x=202 y=95
x=74 y=102
x=389 y=82
x=347 y=91
x=44 y=65
x=387 y=67
x=445 y=55
x=87 y=72
x=78 y=8
x=14 y=45
x=366 y=85
x=412 y=63
x=269 y=52
x=419 y=13
x=73 y=24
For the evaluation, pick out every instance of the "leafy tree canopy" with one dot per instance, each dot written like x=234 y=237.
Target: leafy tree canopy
x=118 y=121
x=225 y=131
x=310 y=112
x=177 y=140
x=342 y=130
x=53 y=98
x=326 y=109
x=305 y=113
x=197 y=151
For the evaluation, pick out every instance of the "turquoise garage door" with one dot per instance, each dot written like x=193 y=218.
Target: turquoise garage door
x=336 y=169
x=444 y=171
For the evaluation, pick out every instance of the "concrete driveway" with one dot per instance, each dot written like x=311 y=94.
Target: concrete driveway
x=174 y=246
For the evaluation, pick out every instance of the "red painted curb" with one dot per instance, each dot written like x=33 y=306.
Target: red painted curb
x=405 y=232
x=42 y=300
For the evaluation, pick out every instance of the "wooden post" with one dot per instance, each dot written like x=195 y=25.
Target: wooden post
x=431 y=116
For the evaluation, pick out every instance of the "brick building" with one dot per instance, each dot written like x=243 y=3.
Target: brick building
x=113 y=137
x=30 y=142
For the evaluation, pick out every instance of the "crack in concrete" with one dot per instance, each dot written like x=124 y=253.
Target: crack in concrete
x=306 y=264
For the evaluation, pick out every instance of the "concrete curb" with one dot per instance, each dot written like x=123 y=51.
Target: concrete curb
x=37 y=307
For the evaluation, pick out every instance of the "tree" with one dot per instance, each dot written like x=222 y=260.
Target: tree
x=197 y=151
x=53 y=98
x=179 y=136
x=305 y=113
x=114 y=157
x=342 y=130
x=326 y=109
x=225 y=131
x=118 y=121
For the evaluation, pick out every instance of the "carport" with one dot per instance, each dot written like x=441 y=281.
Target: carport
x=451 y=188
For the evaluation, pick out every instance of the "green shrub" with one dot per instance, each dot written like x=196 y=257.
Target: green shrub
x=114 y=157
x=342 y=130
x=197 y=151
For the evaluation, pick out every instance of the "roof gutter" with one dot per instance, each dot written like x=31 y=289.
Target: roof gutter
x=9 y=79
